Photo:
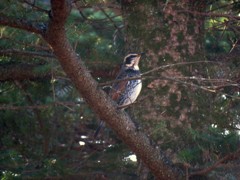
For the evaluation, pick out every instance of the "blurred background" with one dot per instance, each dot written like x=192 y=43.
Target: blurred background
x=189 y=106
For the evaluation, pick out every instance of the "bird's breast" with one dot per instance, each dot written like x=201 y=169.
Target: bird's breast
x=131 y=93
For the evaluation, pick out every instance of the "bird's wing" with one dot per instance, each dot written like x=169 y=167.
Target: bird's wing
x=119 y=88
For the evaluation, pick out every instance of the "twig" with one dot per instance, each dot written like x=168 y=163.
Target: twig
x=212 y=89
x=110 y=19
x=216 y=164
x=38 y=28
x=221 y=7
x=205 y=88
x=94 y=22
x=36 y=7
x=177 y=64
x=26 y=44
x=26 y=53
x=234 y=45
x=45 y=106
x=211 y=14
x=153 y=70
x=118 y=80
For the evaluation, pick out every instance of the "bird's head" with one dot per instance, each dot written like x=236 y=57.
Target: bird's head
x=132 y=60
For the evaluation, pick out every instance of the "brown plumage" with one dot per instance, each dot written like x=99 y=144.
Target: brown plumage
x=125 y=92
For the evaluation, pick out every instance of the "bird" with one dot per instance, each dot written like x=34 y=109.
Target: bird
x=128 y=84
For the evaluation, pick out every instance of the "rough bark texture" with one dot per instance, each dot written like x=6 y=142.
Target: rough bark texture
x=119 y=121
x=102 y=105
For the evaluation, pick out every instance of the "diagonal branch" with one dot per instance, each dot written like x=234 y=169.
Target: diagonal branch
x=110 y=19
x=228 y=157
x=36 y=7
x=100 y=103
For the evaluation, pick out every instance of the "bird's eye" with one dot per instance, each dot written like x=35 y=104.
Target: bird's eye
x=129 y=59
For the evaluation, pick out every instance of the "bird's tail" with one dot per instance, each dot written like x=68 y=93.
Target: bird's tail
x=101 y=124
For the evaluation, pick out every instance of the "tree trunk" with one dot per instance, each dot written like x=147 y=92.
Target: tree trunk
x=97 y=99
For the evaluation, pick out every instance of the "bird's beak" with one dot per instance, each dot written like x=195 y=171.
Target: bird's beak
x=138 y=59
x=141 y=54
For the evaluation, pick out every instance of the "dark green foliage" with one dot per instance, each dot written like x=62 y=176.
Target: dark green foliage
x=42 y=121
x=214 y=141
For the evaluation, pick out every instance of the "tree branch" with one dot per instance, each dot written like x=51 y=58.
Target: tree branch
x=7 y=52
x=177 y=64
x=211 y=14
x=42 y=106
x=110 y=19
x=216 y=164
x=26 y=71
x=101 y=104
x=38 y=28
x=36 y=7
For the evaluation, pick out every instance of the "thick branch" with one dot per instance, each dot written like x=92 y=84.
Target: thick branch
x=60 y=11
x=118 y=120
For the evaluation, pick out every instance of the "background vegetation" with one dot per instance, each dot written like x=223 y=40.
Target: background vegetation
x=189 y=106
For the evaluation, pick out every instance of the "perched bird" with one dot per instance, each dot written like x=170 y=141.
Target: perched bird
x=128 y=84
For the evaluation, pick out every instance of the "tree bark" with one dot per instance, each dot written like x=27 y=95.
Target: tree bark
x=54 y=33
x=102 y=105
